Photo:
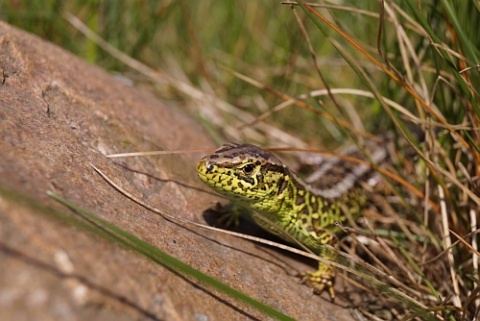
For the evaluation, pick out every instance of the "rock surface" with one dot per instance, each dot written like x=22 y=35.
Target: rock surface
x=58 y=114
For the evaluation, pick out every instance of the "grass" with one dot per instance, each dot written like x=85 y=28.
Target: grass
x=259 y=66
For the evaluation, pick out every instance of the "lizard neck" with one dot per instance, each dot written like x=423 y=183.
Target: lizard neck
x=301 y=203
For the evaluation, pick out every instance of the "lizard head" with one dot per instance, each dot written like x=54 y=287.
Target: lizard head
x=243 y=173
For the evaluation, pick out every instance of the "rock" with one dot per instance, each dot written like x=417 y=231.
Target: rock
x=58 y=115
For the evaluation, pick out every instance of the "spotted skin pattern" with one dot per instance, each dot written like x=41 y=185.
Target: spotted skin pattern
x=260 y=182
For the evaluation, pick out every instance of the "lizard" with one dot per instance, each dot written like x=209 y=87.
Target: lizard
x=304 y=210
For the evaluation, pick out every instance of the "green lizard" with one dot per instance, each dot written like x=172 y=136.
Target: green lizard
x=305 y=210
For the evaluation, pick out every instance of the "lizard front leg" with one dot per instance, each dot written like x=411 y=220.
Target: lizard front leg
x=324 y=277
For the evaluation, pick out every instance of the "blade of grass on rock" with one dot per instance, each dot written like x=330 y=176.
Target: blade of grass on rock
x=128 y=240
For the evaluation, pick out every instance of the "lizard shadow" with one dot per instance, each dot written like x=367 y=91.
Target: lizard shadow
x=245 y=225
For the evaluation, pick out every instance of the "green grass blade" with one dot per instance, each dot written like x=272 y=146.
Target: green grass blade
x=178 y=267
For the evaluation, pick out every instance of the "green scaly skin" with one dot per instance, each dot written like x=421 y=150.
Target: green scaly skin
x=260 y=182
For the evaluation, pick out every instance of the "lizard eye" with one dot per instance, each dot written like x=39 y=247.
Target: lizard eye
x=248 y=169
x=209 y=168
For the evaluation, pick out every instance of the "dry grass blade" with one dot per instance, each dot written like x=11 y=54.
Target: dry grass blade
x=211 y=104
x=177 y=220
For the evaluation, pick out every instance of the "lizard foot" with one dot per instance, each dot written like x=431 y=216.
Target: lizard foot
x=320 y=280
x=228 y=215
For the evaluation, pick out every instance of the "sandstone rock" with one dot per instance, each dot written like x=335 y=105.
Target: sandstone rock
x=58 y=114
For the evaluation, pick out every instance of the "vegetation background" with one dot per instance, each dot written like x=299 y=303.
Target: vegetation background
x=270 y=73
